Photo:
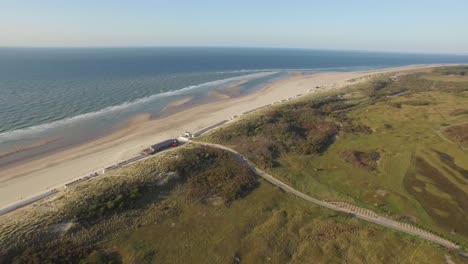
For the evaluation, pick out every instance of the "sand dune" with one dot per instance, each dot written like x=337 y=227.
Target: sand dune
x=47 y=172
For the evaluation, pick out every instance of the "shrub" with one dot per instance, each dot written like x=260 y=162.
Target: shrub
x=396 y=105
x=356 y=128
x=295 y=128
x=366 y=160
x=380 y=84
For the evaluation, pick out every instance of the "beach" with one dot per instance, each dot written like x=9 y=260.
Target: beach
x=50 y=171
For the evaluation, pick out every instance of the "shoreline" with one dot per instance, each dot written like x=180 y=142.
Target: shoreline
x=23 y=153
x=50 y=171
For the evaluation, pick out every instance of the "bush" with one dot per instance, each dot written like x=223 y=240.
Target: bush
x=380 y=84
x=366 y=160
x=54 y=252
x=299 y=128
x=417 y=102
x=356 y=128
x=396 y=105
x=224 y=178
x=106 y=204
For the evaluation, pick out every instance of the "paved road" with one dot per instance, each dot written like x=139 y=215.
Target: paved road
x=358 y=212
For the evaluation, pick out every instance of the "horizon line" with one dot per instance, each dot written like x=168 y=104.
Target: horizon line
x=231 y=47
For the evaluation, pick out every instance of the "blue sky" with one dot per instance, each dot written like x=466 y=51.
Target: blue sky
x=378 y=25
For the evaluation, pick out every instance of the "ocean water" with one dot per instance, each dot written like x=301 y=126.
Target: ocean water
x=77 y=94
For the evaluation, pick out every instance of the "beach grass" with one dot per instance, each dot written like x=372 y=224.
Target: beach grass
x=418 y=175
x=170 y=220
x=268 y=226
x=382 y=145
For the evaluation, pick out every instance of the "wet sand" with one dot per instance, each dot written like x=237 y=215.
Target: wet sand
x=50 y=171
x=218 y=95
x=178 y=103
x=28 y=147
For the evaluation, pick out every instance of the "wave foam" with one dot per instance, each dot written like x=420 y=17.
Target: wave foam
x=19 y=133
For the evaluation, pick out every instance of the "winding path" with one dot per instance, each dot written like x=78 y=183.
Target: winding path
x=361 y=213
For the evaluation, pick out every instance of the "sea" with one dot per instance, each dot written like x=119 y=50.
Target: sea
x=66 y=96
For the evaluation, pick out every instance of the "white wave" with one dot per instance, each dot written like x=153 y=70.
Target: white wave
x=19 y=133
x=345 y=68
x=247 y=71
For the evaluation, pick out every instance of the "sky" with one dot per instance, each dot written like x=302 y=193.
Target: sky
x=428 y=26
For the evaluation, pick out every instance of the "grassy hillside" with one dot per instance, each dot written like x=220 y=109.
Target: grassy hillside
x=69 y=227
x=267 y=226
x=395 y=150
x=196 y=205
x=387 y=145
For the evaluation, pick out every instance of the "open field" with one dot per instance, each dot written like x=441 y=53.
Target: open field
x=387 y=155
x=196 y=204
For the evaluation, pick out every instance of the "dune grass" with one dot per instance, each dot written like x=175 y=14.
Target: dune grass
x=417 y=174
x=171 y=221
x=380 y=145
x=268 y=226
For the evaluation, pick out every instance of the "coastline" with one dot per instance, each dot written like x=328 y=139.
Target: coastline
x=50 y=171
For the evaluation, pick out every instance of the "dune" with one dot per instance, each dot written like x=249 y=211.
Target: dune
x=53 y=170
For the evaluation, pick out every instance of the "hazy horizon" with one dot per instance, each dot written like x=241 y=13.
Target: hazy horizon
x=236 y=47
x=400 y=26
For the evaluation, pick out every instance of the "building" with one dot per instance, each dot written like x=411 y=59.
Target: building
x=163 y=145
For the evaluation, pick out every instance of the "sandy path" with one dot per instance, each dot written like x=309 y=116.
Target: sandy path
x=37 y=176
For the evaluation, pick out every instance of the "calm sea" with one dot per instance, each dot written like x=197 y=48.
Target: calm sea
x=75 y=94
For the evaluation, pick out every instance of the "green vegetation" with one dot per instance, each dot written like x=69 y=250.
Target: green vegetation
x=268 y=226
x=458 y=134
x=386 y=145
x=391 y=153
x=107 y=204
x=121 y=202
x=300 y=128
x=226 y=214
x=362 y=159
x=452 y=74
x=458 y=112
x=213 y=174
x=453 y=71
x=444 y=201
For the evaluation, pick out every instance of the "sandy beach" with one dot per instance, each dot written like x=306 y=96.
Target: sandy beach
x=52 y=171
